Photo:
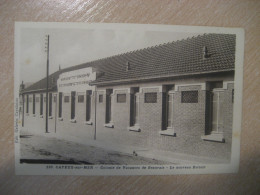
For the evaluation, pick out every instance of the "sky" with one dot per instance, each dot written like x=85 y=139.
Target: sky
x=70 y=47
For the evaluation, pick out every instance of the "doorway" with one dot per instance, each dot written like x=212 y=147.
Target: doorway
x=73 y=94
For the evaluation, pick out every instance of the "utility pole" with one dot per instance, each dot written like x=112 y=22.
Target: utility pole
x=47 y=80
x=95 y=135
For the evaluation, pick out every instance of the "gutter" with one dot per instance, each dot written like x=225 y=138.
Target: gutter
x=36 y=90
x=156 y=77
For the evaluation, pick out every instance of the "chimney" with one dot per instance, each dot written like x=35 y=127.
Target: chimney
x=127 y=66
x=205 y=53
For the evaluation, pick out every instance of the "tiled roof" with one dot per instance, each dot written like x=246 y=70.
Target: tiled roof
x=41 y=84
x=184 y=57
x=171 y=59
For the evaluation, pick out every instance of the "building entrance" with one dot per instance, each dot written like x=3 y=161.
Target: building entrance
x=134 y=107
x=73 y=94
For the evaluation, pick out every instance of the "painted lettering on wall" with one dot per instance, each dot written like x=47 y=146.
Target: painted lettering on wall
x=76 y=80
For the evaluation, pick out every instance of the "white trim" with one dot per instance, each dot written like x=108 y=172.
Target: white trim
x=81 y=93
x=202 y=85
x=152 y=87
x=60 y=119
x=168 y=132
x=109 y=125
x=217 y=135
x=225 y=84
x=214 y=136
x=50 y=117
x=171 y=91
x=135 y=128
x=88 y=123
x=101 y=91
x=121 y=89
x=219 y=89
x=41 y=116
x=73 y=121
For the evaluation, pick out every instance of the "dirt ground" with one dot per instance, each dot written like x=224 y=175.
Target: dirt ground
x=41 y=149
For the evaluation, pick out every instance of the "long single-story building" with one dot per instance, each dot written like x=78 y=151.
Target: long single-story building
x=176 y=97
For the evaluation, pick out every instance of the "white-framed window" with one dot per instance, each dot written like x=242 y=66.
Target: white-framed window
x=66 y=99
x=100 y=98
x=121 y=98
x=189 y=97
x=37 y=99
x=150 y=97
x=80 y=98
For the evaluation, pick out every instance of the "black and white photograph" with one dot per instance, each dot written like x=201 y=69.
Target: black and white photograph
x=127 y=99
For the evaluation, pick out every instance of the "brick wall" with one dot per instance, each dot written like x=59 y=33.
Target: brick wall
x=121 y=119
x=150 y=117
x=189 y=124
x=31 y=122
x=189 y=118
x=189 y=121
x=80 y=108
x=101 y=113
x=79 y=128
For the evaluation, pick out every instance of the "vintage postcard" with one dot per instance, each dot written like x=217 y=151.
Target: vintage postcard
x=127 y=99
